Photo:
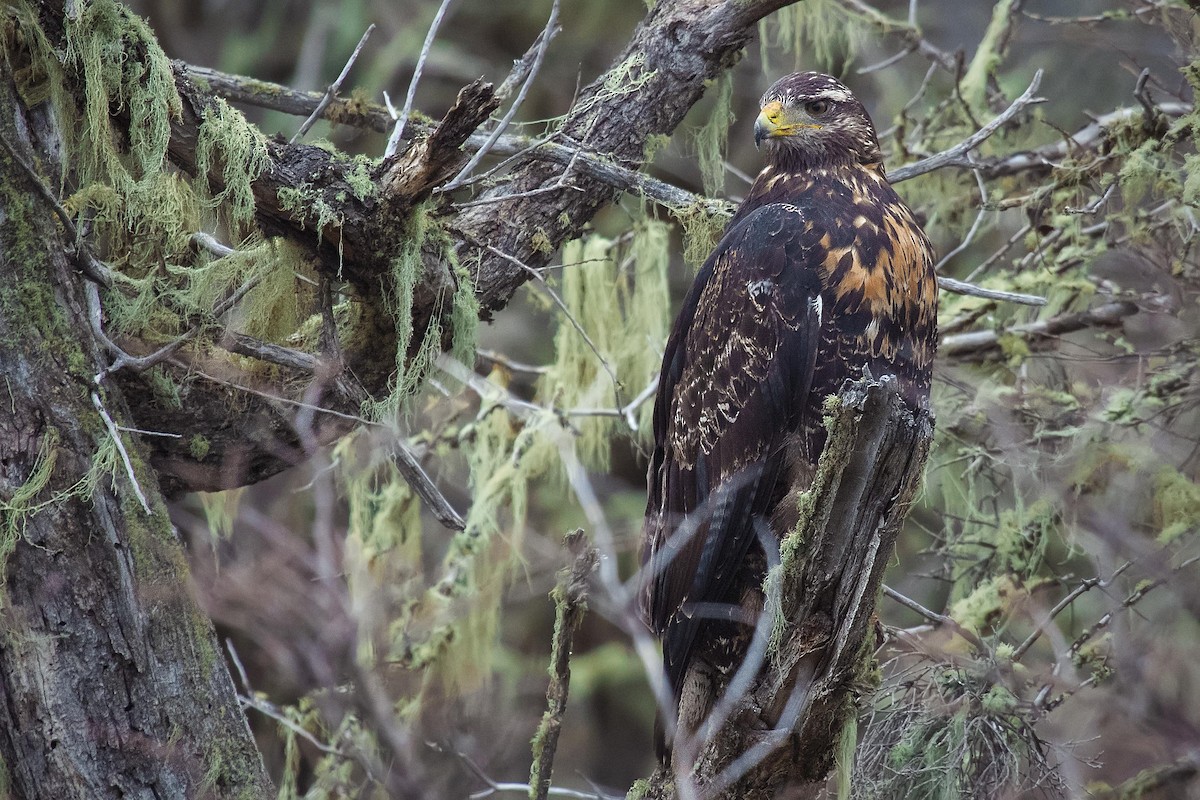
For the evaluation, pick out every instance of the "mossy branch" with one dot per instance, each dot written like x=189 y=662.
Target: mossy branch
x=570 y=603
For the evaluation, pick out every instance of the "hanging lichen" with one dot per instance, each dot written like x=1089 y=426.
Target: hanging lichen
x=711 y=137
x=451 y=637
x=383 y=551
x=824 y=32
x=230 y=155
x=647 y=303
x=220 y=510
x=34 y=495
x=702 y=228
x=414 y=358
x=144 y=88
x=608 y=344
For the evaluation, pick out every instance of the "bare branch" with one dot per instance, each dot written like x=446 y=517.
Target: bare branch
x=543 y=43
x=111 y=427
x=1086 y=138
x=397 y=132
x=962 y=287
x=936 y=618
x=1086 y=585
x=977 y=343
x=957 y=156
x=410 y=469
x=334 y=87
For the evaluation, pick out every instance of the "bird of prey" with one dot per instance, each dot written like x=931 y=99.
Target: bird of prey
x=822 y=273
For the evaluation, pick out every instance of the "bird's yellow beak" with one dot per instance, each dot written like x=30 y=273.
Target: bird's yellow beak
x=772 y=122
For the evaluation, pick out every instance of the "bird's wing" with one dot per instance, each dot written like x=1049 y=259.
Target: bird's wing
x=735 y=379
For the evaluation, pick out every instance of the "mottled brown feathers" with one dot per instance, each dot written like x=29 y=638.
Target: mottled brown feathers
x=822 y=272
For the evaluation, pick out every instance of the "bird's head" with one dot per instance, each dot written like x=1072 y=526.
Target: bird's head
x=814 y=119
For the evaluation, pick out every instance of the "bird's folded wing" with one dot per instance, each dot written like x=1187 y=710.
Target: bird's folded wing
x=735 y=380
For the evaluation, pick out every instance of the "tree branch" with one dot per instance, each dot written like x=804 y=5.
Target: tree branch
x=976 y=344
x=570 y=602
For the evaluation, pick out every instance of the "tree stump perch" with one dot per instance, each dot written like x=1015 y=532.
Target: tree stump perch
x=783 y=726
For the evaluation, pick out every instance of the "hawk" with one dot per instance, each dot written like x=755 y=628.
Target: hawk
x=822 y=273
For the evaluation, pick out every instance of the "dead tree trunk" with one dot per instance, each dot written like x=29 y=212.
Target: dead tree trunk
x=112 y=682
x=782 y=724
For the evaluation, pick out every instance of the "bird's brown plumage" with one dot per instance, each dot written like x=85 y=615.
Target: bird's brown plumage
x=822 y=272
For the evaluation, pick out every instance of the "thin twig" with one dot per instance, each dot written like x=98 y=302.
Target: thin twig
x=933 y=616
x=625 y=412
x=334 y=87
x=562 y=306
x=402 y=120
x=116 y=437
x=416 y=477
x=547 y=34
x=962 y=287
x=142 y=363
x=957 y=155
x=522 y=66
x=1084 y=586
x=970 y=237
x=276 y=398
x=269 y=709
x=209 y=242
x=510 y=364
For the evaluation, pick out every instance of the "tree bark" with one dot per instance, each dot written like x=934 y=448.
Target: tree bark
x=112 y=682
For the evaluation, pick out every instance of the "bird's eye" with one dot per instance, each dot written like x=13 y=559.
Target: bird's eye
x=816 y=107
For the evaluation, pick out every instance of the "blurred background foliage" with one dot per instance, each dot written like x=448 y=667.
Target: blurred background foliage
x=1061 y=495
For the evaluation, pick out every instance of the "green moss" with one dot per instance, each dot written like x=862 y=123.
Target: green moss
x=655 y=143
x=307 y=205
x=1143 y=172
x=164 y=387
x=987 y=56
x=361 y=179
x=844 y=758
x=992 y=599
x=199 y=446
x=1176 y=504
x=639 y=789
x=230 y=155
x=813 y=509
x=999 y=701
x=541 y=242
x=228 y=764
